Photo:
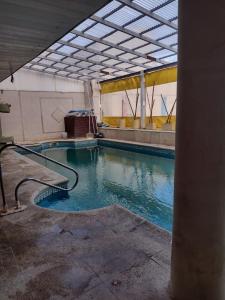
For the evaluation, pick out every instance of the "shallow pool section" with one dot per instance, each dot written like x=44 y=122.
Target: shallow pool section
x=142 y=183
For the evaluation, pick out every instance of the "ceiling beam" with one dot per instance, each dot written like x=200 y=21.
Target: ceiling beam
x=124 y=49
x=149 y=13
x=96 y=52
x=132 y=33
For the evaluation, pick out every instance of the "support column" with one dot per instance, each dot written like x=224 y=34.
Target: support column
x=198 y=249
x=143 y=99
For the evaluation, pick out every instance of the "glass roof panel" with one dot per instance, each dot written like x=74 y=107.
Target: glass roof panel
x=123 y=16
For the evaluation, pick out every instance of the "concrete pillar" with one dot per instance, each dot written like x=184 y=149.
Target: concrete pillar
x=198 y=249
x=143 y=99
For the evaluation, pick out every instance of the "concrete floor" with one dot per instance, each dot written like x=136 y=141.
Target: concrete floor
x=102 y=254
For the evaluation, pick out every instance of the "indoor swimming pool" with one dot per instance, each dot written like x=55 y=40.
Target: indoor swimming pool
x=140 y=182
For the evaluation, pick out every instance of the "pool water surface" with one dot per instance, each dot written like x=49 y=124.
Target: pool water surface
x=142 y=183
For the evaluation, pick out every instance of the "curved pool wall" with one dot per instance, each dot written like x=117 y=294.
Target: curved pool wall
x=138 y=177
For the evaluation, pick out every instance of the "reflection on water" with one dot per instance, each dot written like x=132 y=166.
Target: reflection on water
x=139 y=182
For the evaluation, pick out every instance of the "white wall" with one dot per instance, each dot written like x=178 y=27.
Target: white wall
x=112 y=103
x=28 y=80
x=39 y=103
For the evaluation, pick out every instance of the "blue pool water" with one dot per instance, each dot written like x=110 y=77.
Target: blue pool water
x=142 y=183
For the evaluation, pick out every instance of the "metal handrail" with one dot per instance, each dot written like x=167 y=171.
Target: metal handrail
x=12 y=145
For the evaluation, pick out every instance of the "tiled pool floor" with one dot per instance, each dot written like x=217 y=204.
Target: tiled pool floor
x=102 y=255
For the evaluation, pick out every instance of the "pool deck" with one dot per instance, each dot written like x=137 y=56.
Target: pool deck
x=102 y=254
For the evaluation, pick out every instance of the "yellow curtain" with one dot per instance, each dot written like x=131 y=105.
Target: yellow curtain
x=152 y=78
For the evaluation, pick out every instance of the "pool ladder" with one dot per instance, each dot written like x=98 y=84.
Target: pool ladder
x=19 y=207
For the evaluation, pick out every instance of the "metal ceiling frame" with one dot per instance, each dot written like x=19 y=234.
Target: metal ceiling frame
x=155 y=56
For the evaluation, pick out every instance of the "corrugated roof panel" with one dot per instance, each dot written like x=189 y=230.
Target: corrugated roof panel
x=70 y=60
x=142 y=24
x=68 y=36
x=56 y=56
x=84 y=25
x=67 y=50
x=81 y=41
x=46 y=62
x=148 y=49
x=112 y=62
x=99 y=30
x=55 y=46
x=121 y=73
x=99 y=58
x=64 y=73
x=73 y=68
x=128 y=56
x=74 y=75
x=107 y=8
x=117 y=37
x=136 y=69
x=96 y=67
x=123 y=16
x=51 y=70
x=60 y=65
x=98 y=46
x=37 y=67
x=140 y=60
x=162 y=53
x=169 y=11
x=170 y=40
x=159 y=32
x=171 y=59
x=110 y=70
x=153 y=64
x=149 y=4
x=83 y=54
x=84 y=64
x=134 y=43
x=175 y=47
x=113 y=51
x=124 y=65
